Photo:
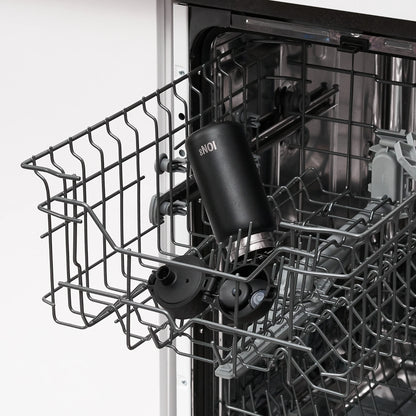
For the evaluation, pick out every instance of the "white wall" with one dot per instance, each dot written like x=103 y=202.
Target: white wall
x=64 y=65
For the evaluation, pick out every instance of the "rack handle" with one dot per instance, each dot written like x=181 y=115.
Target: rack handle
x=28 y=164
x=41 y=207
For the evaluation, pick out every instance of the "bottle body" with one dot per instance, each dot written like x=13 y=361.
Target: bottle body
x=228 y=181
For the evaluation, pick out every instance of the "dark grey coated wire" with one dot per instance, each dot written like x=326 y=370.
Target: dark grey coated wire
x=370 y=301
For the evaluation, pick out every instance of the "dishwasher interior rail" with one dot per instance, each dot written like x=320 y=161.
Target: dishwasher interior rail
x=341 y=266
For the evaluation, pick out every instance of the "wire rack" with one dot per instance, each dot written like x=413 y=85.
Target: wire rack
x=342 y=265
x=388 y=389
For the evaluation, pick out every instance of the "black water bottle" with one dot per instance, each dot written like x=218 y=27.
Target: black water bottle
x=228 y=180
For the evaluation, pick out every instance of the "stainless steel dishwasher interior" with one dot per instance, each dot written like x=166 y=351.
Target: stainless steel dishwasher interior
x=336 y=144
x=339 y=336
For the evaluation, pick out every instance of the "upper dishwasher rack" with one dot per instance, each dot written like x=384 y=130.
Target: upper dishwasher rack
x=337 y=261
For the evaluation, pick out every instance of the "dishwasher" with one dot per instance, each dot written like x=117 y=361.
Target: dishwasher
x=282 y=206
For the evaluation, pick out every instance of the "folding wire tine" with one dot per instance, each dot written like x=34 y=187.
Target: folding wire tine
x=138 y=185
x=75 y=259
x=103 y=205
x=157 y=150
x=67 y=256
x=121 y=193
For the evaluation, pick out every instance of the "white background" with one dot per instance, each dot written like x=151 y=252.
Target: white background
x=64 y=65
